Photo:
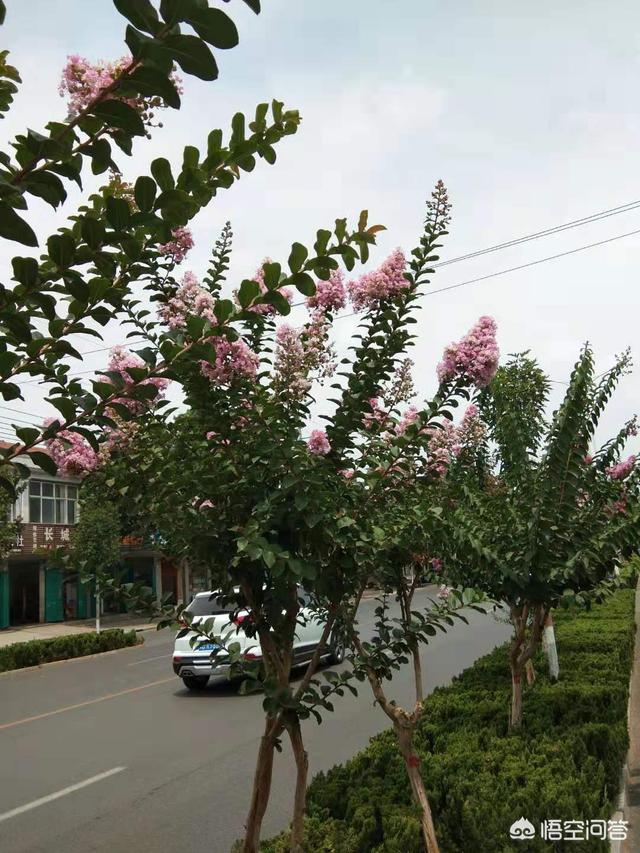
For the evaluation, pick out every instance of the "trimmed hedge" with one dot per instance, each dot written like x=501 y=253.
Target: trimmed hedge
x=564 y=764
x=36 y=652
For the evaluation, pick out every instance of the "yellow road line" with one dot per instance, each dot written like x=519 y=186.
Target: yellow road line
x=83 y=704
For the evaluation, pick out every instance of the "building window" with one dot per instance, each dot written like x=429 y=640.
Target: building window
x=52 y=503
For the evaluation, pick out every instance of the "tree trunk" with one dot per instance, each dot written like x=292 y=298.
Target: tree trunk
x=261 y=788
x=515 y=717
x=404 y=735
x=300 y=799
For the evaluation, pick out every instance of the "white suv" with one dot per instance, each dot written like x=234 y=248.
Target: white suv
x=193 y=662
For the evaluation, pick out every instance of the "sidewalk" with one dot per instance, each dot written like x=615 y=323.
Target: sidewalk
x=49 y=630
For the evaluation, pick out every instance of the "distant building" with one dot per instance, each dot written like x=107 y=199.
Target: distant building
x=33 y=591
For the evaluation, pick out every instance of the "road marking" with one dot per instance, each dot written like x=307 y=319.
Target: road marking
x=62 y=793
x=83 y=704
x=165 y=656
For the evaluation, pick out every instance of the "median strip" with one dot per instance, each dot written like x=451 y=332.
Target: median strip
x=62 y=793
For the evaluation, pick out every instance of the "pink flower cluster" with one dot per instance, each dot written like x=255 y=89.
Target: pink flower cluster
x=176 y=249
x=409 y=417
x=444 y=446
x=444 y=592
x=384 y=283
x=475 y=356
x=318 y=443
x=190 y=299
x=622 y=469
x=471 y=430
x=71 y=452
x=83 y=81
x=377 y=416
x=120 y=361
x=330 y=295
x=234 y=359
x=302 y=355
x=265 y=309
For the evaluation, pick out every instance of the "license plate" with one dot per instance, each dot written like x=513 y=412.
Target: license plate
x=207 y=647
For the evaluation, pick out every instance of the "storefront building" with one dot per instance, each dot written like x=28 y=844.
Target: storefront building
x=33 y=587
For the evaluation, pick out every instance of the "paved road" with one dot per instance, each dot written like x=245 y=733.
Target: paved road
x=138 y=763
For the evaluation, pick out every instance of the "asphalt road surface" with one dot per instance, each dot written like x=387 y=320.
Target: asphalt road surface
x=112 y=754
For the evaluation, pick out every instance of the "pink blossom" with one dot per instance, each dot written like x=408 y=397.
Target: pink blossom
x=211 y=435
x=471 y=431
x=409 y=417
x=330 y=295
x=234 y=359
x=444 y=592
x=384 y=283
x=443 y=447
x=71 y=452
x=176 y=249
x=436 y=564
x=206 y=504
x=83 y=82
x=622 y=469
x=190 y=299
x=318 y=443
x=301 y=356
x=587 y=459
x=475 y=356
x=119 y=362
x=347 y=473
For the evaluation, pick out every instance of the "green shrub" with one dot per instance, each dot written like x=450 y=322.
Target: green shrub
x=564 y=764
x=36 y=652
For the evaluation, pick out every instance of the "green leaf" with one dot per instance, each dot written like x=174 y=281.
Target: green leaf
x=118 y=213
x=161 y=171
x=3 y=12
x=13 y=227
x=254 y=5
x=28 y=435
x=47 y=186
x=193 y=56
x=44 y=461
x=25 y=270
x=298 y=256
x=141 y=14
x=62 y=250
x=249 y=289
x=304 y=283
x=215 y=27
x=100 y=153
x=92 y=231
x=153 y=82
x=145 y=193
x=121 y=115
x=272 y=272
x=64 y=406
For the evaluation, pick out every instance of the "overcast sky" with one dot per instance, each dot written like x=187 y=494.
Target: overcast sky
x=528 y=113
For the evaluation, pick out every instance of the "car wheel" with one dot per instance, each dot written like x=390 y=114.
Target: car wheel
x=336 y=652
x=195 y=682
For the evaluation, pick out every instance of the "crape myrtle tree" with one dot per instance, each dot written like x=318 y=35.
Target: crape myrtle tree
x=285 y=508
x=553 y=515
x=412 y=531
x=84 y=273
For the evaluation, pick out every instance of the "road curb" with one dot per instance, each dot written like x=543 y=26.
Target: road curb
x=72 y=660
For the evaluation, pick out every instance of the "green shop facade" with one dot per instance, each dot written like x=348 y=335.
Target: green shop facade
x=33 y=587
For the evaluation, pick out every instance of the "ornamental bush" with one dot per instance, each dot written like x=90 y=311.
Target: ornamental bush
x=565 y=763
x=36 y=652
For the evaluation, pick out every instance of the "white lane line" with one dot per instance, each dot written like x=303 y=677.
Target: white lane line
x=62 y=793
x=165 y=656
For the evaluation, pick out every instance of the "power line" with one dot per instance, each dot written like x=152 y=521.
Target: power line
x=531 y=263
x=556 y=229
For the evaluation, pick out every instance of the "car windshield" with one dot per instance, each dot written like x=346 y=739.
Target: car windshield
x=205 y=605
